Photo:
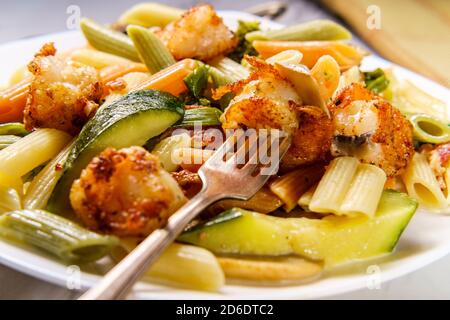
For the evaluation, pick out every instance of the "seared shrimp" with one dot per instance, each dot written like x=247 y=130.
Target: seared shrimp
x=200 y=33
x=265 y=100
x=311 y=141
x=62 y=96
x=369 y=128
x=125 y=192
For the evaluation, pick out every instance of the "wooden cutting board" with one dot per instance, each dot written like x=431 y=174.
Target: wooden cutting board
x=412 y=33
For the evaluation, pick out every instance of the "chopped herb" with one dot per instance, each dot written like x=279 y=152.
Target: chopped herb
x=244 y=46
x=376 y=80
x=197 y=81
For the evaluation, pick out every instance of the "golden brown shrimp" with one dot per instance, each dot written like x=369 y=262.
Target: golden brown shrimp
x=311 y=141
x=200 y=33
x=61 y=95
x=125 y=192
x=369 y=128
x=264 y=100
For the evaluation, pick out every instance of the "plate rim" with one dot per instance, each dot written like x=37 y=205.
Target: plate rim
x=288 y=292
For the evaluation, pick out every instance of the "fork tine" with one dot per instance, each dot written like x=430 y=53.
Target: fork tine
x=225 y=148
x=255 y=152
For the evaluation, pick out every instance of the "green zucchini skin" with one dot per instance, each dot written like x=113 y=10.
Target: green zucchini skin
x=130 y=121
x=334 y=240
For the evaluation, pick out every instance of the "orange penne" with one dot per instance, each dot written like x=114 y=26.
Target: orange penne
x=12 y=101
x=171 y=79
x=345 y=54
x=113 y=72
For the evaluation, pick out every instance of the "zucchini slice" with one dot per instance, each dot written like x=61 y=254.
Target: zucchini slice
x=130 y=121
x=334 y=240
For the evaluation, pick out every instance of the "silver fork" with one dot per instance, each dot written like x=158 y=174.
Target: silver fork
x=229 y=173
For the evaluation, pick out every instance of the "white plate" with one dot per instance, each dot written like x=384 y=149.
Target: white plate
x=426 y=239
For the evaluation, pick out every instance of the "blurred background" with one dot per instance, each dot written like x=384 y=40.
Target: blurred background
x=412 y=33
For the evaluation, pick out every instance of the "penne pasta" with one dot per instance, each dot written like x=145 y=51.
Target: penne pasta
x=292 y=185
x=332 y=188
x=56 y=235
x=98 y=59
x=270 y=269
x=150 y=48
x=165 y=149
x=41 y=187
x=288 y=56
x=12 y=101
x=20 y=74
x=9 y=200
x=422 y=184
x=180 y=265
x=7 y=140
x=31 y=151
x=308 y=31
x=429 y=129
x=327 y=75
x=150 y=15
x=230 y=68
x=264 y=201
x=105 y=39
x=345 y=55
x=171 y=79
x=305 y=199
x=218 y=77
x=365 y=191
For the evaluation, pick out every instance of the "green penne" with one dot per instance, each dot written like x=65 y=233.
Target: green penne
x=56 y=235
x=7 y=140
x=230 y=68
x=104 y=39
x=41 y=187
x=151 y=50
x=308 y=31
x=429 y=129
x=207 y=116
x=13 y=128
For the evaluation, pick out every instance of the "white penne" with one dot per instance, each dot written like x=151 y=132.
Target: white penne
x=40 y=189
x=165 y=148
x=305 y=199
x=334 y=185
x=31 y=151
x=447 y=185
x=422 y=184
x=287 y=56
x=182 y=265
x=134 y=80
x=150 y=14
x=365 y=191
x=230 y=68
x=9 y=200
x=98 y=59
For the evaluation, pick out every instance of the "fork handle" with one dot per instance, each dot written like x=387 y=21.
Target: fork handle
x=118 y=282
